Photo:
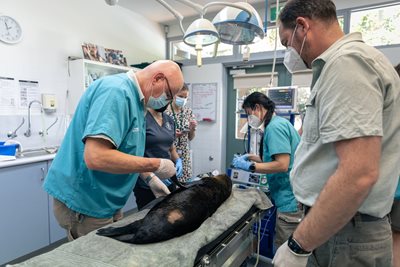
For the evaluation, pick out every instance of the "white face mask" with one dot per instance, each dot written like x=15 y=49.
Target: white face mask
x=293 y=61
x=254 y=121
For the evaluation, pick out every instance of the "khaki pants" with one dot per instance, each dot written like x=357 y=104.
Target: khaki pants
x=360 y=243
x=286 y=223
x=78 y=224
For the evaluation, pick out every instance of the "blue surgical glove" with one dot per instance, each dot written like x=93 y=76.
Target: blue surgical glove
x=242 y=157
x=179 y=167
x=241 y=163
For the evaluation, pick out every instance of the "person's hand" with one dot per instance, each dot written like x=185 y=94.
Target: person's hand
x=166 y=169
x=178 y=133
x=241 y=162
x=285 y=257
x=179 y=167
x=192 y=124
x=158 y=188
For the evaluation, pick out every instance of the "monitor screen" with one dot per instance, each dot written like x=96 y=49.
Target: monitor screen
x=283 y=97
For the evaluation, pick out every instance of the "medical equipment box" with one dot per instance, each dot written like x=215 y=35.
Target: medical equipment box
x=8 y=150
x=245 y=177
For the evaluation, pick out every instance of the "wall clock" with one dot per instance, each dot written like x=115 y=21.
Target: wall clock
x=10 y=30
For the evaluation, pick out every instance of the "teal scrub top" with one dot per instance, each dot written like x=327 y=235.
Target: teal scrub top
x=397 y=193
x=280 y=137
x=112 y=107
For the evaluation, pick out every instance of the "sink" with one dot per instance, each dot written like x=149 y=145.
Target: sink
x=36 y=152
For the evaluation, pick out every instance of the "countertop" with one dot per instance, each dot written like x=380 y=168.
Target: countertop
x=26 y=160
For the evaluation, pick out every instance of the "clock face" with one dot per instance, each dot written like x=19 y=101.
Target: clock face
x=10 y=30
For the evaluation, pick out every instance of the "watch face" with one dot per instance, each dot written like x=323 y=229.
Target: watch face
x=10 y=30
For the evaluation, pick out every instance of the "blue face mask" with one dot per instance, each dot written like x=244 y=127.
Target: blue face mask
x=180 y=101
x=158 y=102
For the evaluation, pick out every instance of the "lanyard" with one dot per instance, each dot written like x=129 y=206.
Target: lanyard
x=176 y=119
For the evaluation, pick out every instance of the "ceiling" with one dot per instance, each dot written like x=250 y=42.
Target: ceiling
x=154 y=11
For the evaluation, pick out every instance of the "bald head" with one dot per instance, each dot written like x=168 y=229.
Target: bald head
x=155 y=78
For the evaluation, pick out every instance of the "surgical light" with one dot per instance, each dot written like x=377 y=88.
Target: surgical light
x=201 y=31
x=236 y=24
x=238 y=27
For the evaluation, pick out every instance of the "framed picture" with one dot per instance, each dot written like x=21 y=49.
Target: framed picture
x=93 y=52
x=101 y=54
x=115 y=57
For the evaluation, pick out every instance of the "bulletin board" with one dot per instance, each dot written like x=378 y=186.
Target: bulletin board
x=204 y=101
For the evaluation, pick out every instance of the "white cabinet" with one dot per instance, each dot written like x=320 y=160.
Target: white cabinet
x=82 y=73
x=24 y=207
x=27 y=222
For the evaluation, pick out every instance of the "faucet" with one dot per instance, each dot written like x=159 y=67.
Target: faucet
x=47 y=130
x=13 y=134
x=28 y=131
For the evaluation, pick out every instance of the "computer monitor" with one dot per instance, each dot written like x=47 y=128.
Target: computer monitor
x=284 y=97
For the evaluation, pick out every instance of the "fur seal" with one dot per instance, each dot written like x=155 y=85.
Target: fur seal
x=179 y=213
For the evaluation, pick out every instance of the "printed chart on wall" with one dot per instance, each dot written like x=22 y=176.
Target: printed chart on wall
x=204 y=101
x=8 y=96
x=15 y=95
x=29 y=90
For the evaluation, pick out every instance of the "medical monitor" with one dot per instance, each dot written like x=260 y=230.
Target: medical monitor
x=285 y=98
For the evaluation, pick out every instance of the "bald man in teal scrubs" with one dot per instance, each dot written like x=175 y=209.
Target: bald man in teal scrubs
x=101 y=155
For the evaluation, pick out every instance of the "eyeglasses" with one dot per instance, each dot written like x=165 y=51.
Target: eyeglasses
x=170 y=96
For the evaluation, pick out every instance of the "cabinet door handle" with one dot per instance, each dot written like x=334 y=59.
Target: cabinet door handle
x=43 y=174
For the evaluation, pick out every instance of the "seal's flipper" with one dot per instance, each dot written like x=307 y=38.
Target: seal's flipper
x=125 y=238
x=117 y=231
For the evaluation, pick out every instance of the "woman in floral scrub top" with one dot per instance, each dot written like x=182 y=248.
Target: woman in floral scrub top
x=185 y=125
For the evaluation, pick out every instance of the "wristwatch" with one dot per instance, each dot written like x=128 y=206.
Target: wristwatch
x=252 y=167
x=296 y=248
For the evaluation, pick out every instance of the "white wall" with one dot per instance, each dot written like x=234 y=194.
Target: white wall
x=54 y=30
x=210 y=140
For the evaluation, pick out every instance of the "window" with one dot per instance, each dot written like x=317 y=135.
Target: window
x=266 y=44
x=341 y=21
x=245 y=85
x=378 y=25
x=180 y=51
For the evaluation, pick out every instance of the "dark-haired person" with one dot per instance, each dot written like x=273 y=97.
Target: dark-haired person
x=160 y=136
x=346 y=166
x=277 y=150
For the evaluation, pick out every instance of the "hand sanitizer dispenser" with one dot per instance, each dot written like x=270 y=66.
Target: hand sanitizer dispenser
x=49 y=102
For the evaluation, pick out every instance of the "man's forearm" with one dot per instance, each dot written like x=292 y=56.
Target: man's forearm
x=101 y=155
x=335 y=206
x=114 y=161
x=343 y=193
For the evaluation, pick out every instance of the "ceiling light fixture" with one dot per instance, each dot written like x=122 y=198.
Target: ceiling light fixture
x=236 y=24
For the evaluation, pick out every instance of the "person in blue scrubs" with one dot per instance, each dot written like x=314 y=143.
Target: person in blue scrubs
x=97 y=165
x=160 y=136
x=277 y=151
